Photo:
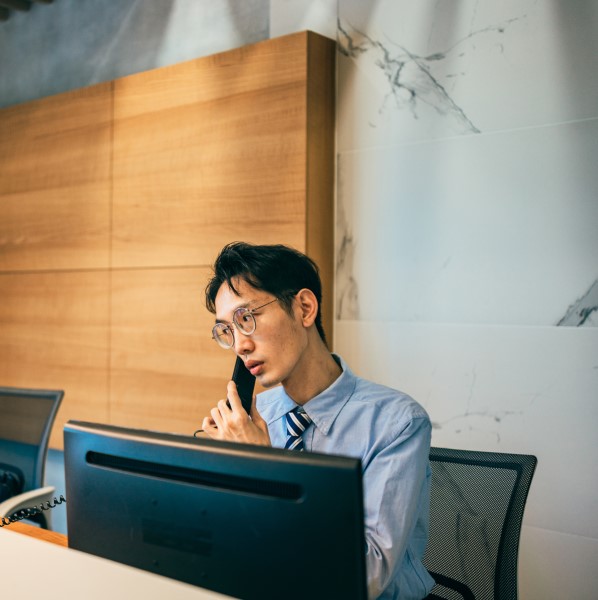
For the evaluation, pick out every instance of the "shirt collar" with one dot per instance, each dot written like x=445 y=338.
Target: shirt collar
x=324 y=408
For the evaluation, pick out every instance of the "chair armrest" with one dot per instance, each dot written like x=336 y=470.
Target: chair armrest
x=451 y=584
x=28 y=500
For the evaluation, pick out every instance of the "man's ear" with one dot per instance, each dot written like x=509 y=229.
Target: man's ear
x=308 y=305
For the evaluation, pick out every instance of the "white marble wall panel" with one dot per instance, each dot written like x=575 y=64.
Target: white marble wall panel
x=557 y=566
x=508 y=389
x=467 y=216
x=498 y=228
x=427 y=69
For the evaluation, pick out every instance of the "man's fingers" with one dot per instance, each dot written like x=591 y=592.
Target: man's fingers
x=224 y=407
x=209 y=427
x=217 y=417
x=208 y=423
x=233 y=396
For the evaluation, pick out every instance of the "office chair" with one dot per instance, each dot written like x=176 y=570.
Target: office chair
x=476 y=510
x=26 y=419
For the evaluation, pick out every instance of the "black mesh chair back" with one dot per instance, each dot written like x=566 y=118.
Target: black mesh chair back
x=476 y=510
x=26 y=419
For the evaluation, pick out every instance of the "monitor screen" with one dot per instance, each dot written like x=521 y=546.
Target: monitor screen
x=243 y=520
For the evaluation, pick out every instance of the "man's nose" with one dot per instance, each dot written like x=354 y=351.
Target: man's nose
x=243 y=343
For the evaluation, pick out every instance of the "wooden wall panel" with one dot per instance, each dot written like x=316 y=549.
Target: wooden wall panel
x=162 y=370
x=230 y=73
x=55 y=182
x=226 y=162
x=114 y=201
x=320 y=171
x=54 y=334
x=166 y=371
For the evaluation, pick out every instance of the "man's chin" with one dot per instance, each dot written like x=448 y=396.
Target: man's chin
x=267 y=382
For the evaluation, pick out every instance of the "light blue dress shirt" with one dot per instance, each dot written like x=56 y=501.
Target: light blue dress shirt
x=390 y=433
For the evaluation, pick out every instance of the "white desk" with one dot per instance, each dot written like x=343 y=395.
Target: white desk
x=36 y=569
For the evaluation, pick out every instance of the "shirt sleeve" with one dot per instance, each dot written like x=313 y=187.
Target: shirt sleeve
x=396 y=484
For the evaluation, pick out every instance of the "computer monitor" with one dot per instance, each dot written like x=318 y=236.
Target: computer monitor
x=243 y=520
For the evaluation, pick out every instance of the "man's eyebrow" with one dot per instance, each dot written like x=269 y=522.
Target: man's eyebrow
x=244 y=305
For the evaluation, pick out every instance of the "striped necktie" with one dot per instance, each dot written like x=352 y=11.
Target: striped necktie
x=297 y=422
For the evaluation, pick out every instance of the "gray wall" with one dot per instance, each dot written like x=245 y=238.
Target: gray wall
x=75 y=43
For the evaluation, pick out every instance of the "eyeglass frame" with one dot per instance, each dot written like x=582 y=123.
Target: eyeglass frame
x=244 y=311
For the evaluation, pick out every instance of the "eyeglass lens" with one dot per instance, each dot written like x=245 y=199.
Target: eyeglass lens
x=243 y=318
x=245 y=323
x=223 y=334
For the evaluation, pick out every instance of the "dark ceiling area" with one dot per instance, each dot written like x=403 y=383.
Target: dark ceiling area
x=7 y=7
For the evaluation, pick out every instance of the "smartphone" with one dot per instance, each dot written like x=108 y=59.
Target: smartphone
x=245 y=383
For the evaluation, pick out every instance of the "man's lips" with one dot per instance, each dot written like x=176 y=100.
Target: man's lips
x=254 y=367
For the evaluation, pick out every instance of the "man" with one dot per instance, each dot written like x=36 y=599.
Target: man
x=267 y=305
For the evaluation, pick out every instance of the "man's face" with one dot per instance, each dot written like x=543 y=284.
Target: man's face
x=275 y=349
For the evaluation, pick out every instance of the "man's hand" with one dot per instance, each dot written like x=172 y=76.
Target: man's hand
x=230 y=422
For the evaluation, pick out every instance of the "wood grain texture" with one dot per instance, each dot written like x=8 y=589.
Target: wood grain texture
x=166 y=371
x=40 y=534
x=55 y=182
x=320 y=171
x=114 y=201
x=54 y=335
x=219 y=156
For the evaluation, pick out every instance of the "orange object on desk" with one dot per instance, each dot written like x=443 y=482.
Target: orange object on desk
x=37 y=532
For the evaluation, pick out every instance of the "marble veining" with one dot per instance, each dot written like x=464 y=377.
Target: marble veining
x=584 y=311
x=347 y=298
x=470 y=419
x=410 y=76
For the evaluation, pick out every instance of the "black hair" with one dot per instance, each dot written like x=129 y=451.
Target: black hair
x=279 y=270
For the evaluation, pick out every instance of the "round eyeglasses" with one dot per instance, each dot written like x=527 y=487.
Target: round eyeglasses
x=244 y=321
